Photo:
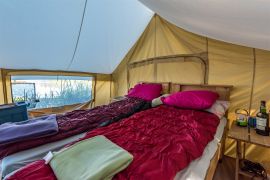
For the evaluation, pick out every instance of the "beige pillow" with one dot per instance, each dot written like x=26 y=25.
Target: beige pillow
x=219 y=108
x=157 y=101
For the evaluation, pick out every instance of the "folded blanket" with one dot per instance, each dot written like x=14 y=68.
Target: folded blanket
x=30 y=129
x=94 y=158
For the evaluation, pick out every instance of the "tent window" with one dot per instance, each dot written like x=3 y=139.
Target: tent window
x=51 y=91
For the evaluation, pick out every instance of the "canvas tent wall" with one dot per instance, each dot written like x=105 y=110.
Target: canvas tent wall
x=239 y=22
x=245 y=68
x=67 y=37
x=43 y=34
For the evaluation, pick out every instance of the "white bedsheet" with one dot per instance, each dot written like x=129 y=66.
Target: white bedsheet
x=197 y=169
x=22 y=158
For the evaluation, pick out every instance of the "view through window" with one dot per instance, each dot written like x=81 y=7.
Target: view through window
x=51 y=91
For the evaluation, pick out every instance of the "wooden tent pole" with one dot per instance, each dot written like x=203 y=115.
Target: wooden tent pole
x=253 y=79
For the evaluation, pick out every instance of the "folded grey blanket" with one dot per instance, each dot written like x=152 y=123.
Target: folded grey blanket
x=29 y=129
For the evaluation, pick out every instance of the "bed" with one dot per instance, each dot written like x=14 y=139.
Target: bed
x=21 y=158
x=72 y=126
x=216 y=152
x=80 y=121
x=214 y=149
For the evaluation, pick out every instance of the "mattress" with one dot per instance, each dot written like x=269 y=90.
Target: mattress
x=22 y=158
x=197 y=169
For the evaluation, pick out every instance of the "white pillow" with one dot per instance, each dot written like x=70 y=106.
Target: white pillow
x=219 y=108
x=157 y=101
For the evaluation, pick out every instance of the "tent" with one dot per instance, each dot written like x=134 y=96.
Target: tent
x=232 y=37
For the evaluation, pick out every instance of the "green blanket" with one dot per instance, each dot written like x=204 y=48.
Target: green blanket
x=95 y=158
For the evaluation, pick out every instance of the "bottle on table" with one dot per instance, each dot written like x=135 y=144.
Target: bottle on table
x=262 y=121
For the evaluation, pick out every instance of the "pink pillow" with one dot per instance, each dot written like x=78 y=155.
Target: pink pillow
x=198 y=100
x=147 y=92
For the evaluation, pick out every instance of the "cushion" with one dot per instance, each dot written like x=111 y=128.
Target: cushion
x=198 y=100
x=147 y=92
x=157 y=101
x=219 y=108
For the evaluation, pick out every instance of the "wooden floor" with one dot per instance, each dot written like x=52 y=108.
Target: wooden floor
x=226 y=170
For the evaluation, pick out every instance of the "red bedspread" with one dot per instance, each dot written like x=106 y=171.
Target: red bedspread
x=80 y=121
x=163 y=141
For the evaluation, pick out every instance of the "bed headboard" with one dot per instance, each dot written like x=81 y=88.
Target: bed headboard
x=165 y=86
x=222 y=90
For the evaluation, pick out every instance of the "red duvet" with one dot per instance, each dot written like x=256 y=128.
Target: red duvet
x=163 y=141
x=80 y=121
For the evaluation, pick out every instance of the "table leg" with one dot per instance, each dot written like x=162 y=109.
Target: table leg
x=244 y=151
x=238 y=158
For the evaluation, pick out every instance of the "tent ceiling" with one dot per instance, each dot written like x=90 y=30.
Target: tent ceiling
x=242 y=22
x=42 y=34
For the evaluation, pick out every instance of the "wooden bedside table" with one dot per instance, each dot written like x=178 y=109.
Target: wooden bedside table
x=242 y=134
